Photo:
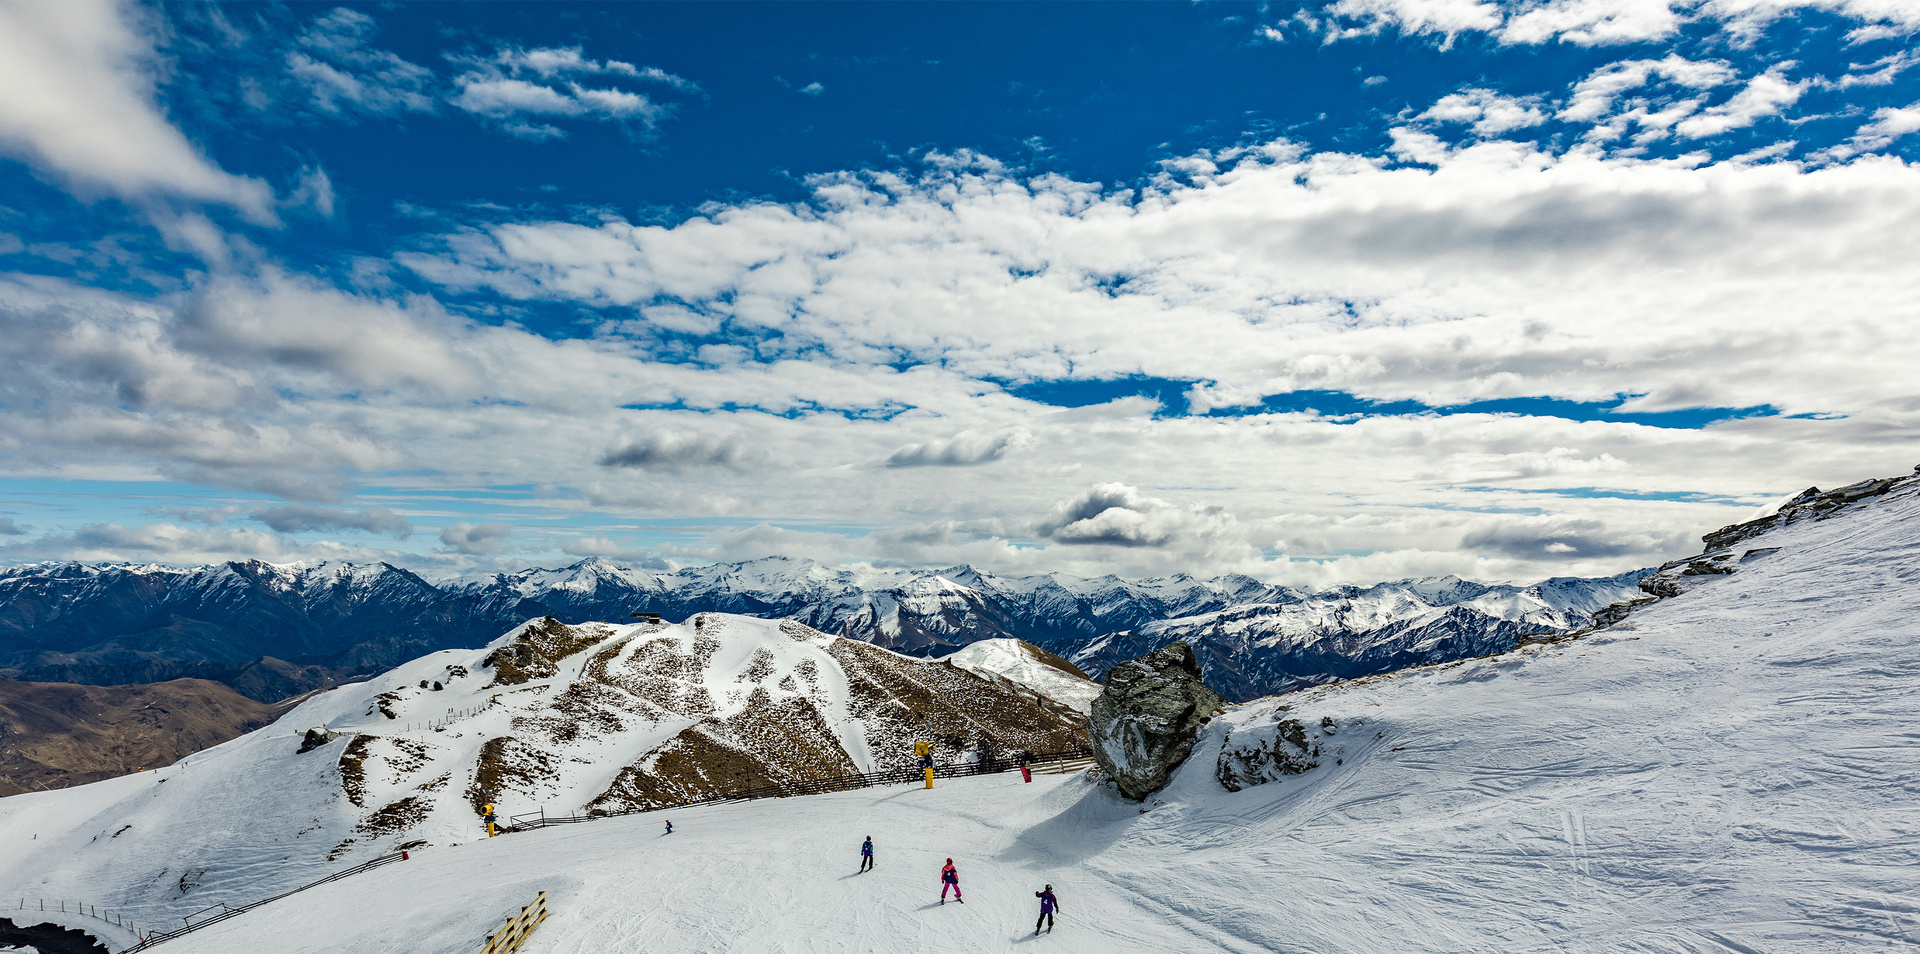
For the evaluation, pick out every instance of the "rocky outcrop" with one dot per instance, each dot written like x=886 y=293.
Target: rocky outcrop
x=1809 y=504
x=1724 y=556
x=1144 y=722
x=316 y=737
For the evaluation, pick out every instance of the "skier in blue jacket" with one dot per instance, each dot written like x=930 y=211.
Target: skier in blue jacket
x=1048 y=905
x=866 y=854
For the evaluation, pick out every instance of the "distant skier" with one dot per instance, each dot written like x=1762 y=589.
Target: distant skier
x=950 y=878
x=1048 y=905
x=669 y=826
x=866 y=855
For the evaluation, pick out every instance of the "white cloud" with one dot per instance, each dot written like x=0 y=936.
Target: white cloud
x=1488 y=112
x=965 y=449
x=77 y=102
x=341 y=73
x=1765 y=95
x=1448 y=18
x=1594 y=97
x=1115 y=514
x=1888 y=125
x=1591 y=22
x=1599 y=22
x=476 y=539
x=888 y=318
x=813 y=88
x=517 y=88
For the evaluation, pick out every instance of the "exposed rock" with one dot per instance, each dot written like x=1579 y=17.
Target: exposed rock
x=316 y=737
x=1720 y=557
x=1268 y=742
x=1809 y=504
x=1144 y=722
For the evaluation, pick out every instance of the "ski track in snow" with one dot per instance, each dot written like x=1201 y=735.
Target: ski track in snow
x=1731 y=770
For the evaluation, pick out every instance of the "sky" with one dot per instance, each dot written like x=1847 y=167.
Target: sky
x=1320 y=293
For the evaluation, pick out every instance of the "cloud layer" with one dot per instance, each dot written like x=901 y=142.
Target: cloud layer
x=1486 y=347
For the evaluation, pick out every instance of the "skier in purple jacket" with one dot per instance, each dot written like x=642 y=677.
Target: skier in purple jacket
x=1048 y=905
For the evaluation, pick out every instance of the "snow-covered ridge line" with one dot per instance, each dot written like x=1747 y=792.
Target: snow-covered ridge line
x=1724 y=553
x=137 y=623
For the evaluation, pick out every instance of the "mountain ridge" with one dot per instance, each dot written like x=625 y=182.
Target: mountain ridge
x=276 y=630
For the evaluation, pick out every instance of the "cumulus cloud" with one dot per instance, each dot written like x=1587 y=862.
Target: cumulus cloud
x=77 y=102
x=1602 y=99
x=1114 y=514
x=1488 y=112
x=519 y=89
x=681 y=452
x=964 y=449
x=10 y=529
x=343 y=74
x=476 y=539
x=1889 y=124
x=1764 y=95
x=293 y=518
x=1597 y=22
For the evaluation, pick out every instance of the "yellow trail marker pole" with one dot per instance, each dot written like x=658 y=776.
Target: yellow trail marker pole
x=929 y=778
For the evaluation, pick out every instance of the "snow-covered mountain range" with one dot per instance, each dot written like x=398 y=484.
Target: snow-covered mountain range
x=1728 y=767
x=1303 y=639
x=275 y=630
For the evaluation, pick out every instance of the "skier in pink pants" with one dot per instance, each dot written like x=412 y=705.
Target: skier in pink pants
x=949 y=878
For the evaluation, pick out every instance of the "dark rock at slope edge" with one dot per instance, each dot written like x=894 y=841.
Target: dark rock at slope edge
x=1143 y=725
x=48 y=938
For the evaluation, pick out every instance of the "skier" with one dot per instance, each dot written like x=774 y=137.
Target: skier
x=866 y=855
x=669 y=826
x=949 y=878
x=1048 y=905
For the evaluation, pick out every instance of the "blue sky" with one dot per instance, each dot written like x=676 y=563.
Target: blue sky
x=1320 y=292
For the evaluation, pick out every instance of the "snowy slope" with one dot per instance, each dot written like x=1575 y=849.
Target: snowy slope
x=1730 y=769
x=1030 y=666
x=595 y=717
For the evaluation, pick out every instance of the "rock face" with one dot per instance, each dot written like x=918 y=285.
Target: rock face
x=1144 y=722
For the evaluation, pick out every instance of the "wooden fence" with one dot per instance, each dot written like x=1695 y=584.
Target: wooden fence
x=518 y=926
x=77 y=907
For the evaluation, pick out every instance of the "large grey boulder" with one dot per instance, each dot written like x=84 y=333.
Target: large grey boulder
x=1144 y=722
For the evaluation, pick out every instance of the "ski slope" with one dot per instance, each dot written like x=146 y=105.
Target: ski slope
x=1730 y=770
x=546 y=718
